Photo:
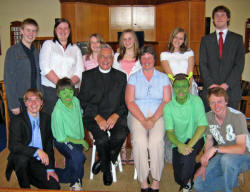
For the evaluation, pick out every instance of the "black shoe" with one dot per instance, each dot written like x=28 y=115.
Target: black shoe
x=154 y=190
x=107 y=178
x=146 y=190
x=96 y=167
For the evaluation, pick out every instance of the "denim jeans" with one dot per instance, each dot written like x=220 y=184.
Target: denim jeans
x=222 y=173
x=74 y=161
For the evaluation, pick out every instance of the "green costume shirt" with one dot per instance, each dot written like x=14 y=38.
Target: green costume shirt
x=184 y=119
x=67 y=122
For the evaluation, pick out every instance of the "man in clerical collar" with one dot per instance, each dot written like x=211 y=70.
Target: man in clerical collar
x=102 y=97
x=21 y=68
x=31 y=148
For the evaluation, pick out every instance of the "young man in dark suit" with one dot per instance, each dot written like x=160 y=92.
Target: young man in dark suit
x=31 y=148
x=222 y=58
x=102 y=97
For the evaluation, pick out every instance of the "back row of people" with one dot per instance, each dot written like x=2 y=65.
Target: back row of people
x=60 y=58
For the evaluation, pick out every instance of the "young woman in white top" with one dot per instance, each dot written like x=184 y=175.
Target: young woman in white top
x=179 y=58
x=93 y=47
x=59 y=58
x=126 y=60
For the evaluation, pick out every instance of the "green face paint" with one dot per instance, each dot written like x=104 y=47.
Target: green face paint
x=66 y=96
x=181 y=90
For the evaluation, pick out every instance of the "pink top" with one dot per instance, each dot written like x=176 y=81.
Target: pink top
x=90 y=64
x=127 y=65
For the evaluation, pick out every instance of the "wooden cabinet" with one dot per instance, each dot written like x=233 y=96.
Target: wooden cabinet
x=15 y=33
x=138 y=18
x=157 y=20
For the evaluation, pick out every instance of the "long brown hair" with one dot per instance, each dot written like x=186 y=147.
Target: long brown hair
x=99 y=38
x=184 y=46
x=122 y=49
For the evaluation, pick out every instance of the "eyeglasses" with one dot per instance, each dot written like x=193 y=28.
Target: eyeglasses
x=33 y=99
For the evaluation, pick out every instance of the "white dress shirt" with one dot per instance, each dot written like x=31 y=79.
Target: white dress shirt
x=223 y=35
x=65 y=63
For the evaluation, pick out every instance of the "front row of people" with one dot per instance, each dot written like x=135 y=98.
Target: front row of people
x=148 y=97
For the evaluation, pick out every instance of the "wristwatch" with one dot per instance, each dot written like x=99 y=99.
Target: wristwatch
x=216 y=149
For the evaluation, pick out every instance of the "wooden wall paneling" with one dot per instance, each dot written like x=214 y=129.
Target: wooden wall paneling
x=85 y=19
x=197 y=26
x=138 y=18
x=144 y=20
x=92 y=18
x=168 y=17
x=120 y=18
x=68 y=12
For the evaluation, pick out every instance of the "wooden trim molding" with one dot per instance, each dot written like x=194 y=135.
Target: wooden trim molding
x=126 y=2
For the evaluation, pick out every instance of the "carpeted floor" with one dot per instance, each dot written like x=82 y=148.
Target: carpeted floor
x=125 y=181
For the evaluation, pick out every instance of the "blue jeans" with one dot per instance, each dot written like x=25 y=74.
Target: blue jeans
x=74 y=161
x=222 y=173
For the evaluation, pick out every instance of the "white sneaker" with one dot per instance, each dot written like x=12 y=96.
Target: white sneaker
x=77 y=186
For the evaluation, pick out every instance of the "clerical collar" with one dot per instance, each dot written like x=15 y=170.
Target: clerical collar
x=104 y=71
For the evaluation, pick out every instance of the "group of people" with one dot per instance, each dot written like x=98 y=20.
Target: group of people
x=111 y=95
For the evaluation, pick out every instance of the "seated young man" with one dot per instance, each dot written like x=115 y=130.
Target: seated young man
x=31 y=146
x=185 y=121
x=221 y=163
x=68 y=131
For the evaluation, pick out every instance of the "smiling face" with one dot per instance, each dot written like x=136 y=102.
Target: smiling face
x=33 y=104
x=66 y=96
x=62 y=32
x=29 y=33
x=95 y=44
x=178 y=40
x=218 y=105
x=147 y=61
x=220 y=20
x=105 y=58
x=181 y=90
x=128 y=40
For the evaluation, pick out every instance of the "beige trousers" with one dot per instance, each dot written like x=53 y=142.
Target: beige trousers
x=145 y=141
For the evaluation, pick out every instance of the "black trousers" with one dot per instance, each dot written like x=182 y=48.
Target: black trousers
x=185 y=165
x=31 y=171
x=108 y=148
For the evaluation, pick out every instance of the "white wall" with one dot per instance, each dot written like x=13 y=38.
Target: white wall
x=43 y=11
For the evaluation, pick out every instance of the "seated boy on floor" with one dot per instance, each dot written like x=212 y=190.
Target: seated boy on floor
x=68 y=131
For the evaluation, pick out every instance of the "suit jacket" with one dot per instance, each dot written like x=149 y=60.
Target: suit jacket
x=228 y=69
x=92 y=93
x=17 y=74
x=21 y=135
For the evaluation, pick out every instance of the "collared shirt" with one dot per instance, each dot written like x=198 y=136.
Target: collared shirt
x=30 y=54
x=148 y=94
x=223 y=35
x=65 y=63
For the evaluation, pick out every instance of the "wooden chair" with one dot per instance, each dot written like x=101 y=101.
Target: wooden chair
x=7 y=119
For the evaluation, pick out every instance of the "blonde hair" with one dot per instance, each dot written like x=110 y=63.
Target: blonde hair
x=122 y=49
x=89 y=50
x=35 y=92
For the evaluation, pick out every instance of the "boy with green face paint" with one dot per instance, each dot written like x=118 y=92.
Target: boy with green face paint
x=185 y=121
x=68 y=131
